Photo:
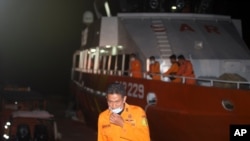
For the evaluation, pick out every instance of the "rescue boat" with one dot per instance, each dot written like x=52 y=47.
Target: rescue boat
x=175 y=111
x=18 y=98
x=31 y=125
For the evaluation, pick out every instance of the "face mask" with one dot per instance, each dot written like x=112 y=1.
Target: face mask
x=152 y=62
x=116 y=110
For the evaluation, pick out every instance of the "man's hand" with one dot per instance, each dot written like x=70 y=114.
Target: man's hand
x=116 y=119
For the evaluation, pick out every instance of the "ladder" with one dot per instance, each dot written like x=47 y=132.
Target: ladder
x=163 y=44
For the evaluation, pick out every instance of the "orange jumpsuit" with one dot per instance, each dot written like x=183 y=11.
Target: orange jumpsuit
x=154 y=70
x=186 y=70
x=135 y=68
x=135 y=126
x=173 y=71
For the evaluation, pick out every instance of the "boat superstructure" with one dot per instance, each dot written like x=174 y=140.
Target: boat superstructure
x=213 y=43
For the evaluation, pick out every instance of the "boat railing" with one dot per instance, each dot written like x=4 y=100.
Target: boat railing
x=210 y=82
x=219 y=83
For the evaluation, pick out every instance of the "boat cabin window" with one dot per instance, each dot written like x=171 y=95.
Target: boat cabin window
x=23 y=132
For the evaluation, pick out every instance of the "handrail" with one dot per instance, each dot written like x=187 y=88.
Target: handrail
x=121 y=73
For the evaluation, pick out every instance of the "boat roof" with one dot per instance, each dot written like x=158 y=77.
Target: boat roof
x=32 y=114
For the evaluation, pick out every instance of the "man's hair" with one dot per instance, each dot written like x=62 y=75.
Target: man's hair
x=172 y=56
x=132 y=55
x=152 y=58
x=181 y=57
x=116 y=88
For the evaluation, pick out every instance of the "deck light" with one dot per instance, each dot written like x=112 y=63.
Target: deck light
x=5 y=136
x=173 y=7
x=108 y=46
x=92 y=50
x=8 y=123
x=120 y=47
x=102 y=51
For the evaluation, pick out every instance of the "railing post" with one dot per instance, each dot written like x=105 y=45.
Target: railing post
x=238 y=85
x=123 y=63
x=183 y=80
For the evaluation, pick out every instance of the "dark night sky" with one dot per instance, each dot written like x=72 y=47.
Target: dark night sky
x=38 y=38
x=238 y=10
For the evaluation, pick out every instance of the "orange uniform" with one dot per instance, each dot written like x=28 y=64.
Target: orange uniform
x=135 y=68
x=154 y=70
x=135 y=126
x=186 y=70
x=173 y=71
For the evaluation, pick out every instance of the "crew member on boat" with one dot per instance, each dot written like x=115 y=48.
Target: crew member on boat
x=186 y=70
x=172 y=71
x=154 y=69
x=122 y=121
x=135 y=66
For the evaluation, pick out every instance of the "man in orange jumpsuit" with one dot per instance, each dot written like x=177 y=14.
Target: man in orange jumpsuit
x=186 y=70
x=154 y=69
x=135 y=67
x=121 y=121
x=173 y=69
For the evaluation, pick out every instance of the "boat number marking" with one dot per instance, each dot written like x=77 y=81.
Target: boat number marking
x=134 y=89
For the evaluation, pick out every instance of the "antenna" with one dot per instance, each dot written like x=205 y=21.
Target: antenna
x=98 y=14
x=107 y=9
